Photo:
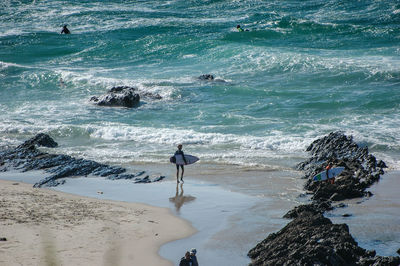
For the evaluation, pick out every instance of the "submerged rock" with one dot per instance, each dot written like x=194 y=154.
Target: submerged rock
x=206 y=77
x=27 y=157
x=209 y=77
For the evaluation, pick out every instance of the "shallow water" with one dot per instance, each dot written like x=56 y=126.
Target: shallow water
x=229 y=221
x=375 y=222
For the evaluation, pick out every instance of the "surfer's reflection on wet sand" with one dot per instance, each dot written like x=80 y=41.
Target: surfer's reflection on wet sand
x=179 y=198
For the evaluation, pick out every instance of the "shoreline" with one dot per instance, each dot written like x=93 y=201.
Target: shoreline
x=46 y=226
x=232 y=207
x=228 y=222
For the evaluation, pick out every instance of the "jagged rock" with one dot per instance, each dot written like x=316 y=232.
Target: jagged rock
x=361 y=168
x=314 y=208
x=154 y=96
x=123 y=96
x=27 y=157
x=312 y=239
x=118 y=96
x=206 y=77
x=209 y=77
x=40 y=139
x=119 y=89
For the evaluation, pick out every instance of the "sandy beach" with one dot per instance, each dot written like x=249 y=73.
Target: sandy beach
x=46 y=227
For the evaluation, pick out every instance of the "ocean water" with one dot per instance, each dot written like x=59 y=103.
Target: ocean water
x=305 y=68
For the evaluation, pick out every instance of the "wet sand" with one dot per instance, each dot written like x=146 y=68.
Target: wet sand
x=375 y=222
x=232 y=208
x=46 y=227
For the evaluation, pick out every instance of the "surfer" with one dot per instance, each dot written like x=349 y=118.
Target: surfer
x=328 y=167
x=240 y=29
x=65 y=30
x=180 y=152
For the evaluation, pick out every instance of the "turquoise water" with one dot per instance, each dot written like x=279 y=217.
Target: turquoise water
x=304 y=69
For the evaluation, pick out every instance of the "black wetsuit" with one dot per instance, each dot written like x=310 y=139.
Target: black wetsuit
x=65 y=30
x=185 y=262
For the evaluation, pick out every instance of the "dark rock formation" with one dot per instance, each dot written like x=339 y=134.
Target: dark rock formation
x=206 y=77
x=27 y=157
x=123 y=96
x=118 y=96
x=209 y=77
x=149 y=95
x=361 y=168
x=40 y=139
x=314 y=208
x=312 y=239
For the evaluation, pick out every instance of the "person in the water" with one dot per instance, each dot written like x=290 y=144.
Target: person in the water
x=65 y=30
x=240 y=29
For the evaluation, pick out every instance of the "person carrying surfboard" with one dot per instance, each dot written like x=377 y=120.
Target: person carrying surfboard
x=180 y=152
x=328 y=167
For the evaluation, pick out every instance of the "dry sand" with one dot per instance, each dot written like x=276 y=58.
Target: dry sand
x=45 y=227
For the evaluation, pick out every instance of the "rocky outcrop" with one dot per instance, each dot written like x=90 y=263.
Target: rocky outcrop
x=27 y=157
x=312 y=239
x=313 y=208
x=361 y=168
x=118 y=96
x=209 y=77
x=40 y=139
x=123 y=96
x=206 y=77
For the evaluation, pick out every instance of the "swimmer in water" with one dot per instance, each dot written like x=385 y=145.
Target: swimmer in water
x=240 y=29
x=65 y=30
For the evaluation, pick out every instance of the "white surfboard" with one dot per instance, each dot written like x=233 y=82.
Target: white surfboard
x=189 y=159
x=331 y=174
